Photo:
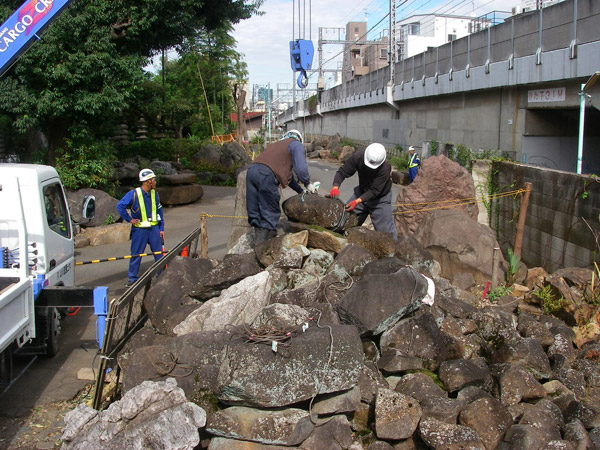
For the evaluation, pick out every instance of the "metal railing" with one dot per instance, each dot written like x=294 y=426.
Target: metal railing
x=126 y=315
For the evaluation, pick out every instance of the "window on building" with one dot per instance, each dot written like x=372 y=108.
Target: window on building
x=414 y=28
x=383 y=53
x=451 y=37
x=356 y=29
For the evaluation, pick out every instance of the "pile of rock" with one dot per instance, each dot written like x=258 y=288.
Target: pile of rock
x=316 y=341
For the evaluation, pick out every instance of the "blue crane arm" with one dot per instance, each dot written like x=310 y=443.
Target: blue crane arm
x=20 y=29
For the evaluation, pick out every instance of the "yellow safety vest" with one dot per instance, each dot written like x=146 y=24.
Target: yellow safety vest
x=411 y=163
x=144 y=222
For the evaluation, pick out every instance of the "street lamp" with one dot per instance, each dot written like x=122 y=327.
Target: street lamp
x=582 y=96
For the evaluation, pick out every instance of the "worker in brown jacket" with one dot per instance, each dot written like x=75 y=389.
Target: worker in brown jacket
x=273 y=168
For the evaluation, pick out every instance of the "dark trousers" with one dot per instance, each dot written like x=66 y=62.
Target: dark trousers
x=140 y=237
x=379 y=209
x=262 y=197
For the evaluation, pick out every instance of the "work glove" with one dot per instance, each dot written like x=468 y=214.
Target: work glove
x=350 y=206
x=311 y=188
x=334 y=192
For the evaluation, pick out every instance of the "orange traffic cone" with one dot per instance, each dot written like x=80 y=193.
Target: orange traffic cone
x=184 y=252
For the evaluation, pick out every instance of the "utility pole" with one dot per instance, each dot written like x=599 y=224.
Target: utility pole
x=392 y=44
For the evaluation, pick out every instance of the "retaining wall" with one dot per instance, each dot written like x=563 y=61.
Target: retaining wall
x=555 y=233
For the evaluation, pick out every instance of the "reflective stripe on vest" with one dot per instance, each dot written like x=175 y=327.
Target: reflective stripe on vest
x=144 y=222
x=411 y=163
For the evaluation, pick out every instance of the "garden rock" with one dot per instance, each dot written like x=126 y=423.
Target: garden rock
x=231 y=270
x=162 y=168
x=334 y=434
x=324 y=212
x=352 y=259
x=376 y=242
x=179 y=195
x=105 y=212
x=178 y=179
x=396 y=415
x=488 y=418
x=516 y=384
x=233 y=154
x=287 y=427
x=338 y=402
x=440 y=180
x=391 y=297
x=257 y=376
x=457 y=374
x=458 y=243
x=420 y=337
x=441 y=435
x=151 y=415
x=167 y=301
x=238 y=304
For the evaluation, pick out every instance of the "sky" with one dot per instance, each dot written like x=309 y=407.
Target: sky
x=264 y=40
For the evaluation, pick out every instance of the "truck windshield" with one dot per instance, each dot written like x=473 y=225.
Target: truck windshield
x=56 y=210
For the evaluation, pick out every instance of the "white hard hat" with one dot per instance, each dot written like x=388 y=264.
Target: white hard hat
x=411 y=148
x=146 y=174
x=295 y=134
x=374 y=155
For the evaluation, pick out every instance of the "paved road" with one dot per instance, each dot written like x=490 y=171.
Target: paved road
x=54 y=379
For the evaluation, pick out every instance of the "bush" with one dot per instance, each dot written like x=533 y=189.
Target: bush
x=433 y=148
x=400 y=162
x=87 y=166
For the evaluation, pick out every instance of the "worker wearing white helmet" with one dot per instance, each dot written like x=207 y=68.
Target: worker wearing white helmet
x=413 y=164
x=373 y=195
x=147 y=223
x=275 y=167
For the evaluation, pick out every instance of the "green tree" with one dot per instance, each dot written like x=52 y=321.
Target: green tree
x=83 y=76
x=194 y=92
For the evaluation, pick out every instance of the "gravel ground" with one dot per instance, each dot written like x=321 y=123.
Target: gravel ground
x=41 y=427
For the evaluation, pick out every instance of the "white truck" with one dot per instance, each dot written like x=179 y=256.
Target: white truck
x=37 y=263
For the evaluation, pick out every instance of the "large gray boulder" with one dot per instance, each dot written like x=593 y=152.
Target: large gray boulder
x=319 y=360
x=231 y=270
x=106 y=207
x=458 y=243
x=237 y=305
x=420 y=336
x=167 y=301
x=182 y=194
x=377 y=302
x=287 y=427
x=151 y=415
x=325 y=212
x=233 y=154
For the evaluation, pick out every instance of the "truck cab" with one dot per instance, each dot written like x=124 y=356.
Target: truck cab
x=37 y=266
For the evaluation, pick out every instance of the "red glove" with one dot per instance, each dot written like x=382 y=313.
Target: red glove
x=350 y=206
x=335 y=192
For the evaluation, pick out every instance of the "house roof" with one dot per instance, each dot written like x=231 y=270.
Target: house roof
x=247 y=115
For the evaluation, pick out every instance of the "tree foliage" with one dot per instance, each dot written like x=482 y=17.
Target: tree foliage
x=193 y=94
x=84 y=75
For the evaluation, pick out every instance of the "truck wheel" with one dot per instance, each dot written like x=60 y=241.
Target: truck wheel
x=53 y=331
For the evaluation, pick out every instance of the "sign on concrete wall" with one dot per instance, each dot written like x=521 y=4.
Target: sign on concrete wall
x=546 y=95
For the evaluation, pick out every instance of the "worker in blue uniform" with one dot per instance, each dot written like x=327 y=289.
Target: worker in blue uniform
x=274 y=167
x=413 y=164
x=147 y=223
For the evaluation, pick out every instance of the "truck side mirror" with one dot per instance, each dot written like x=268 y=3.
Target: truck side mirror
x=89 y=207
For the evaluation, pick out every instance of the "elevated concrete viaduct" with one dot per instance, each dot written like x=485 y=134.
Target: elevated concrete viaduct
x=513 y=87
